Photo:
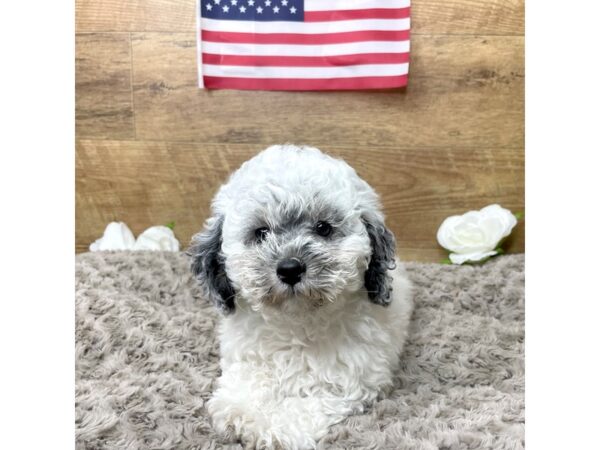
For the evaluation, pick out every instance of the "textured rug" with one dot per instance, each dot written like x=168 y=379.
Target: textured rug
x=146 y=360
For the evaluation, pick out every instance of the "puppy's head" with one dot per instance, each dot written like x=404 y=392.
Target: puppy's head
x=293 y=228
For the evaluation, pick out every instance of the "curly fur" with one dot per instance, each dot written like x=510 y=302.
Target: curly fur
x=325 y=347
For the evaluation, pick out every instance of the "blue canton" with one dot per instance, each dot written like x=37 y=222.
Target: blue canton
x=257 y=10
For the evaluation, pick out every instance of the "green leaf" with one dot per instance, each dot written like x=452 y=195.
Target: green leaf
x=170 y=225
x=519 y=215
x=499 y=250
x=446 y=261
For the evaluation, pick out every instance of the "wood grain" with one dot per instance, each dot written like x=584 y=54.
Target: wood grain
x=464 y=91
x=153 y=148
x=493 y=17
x=103 y=105
x=481 y=17
x=147 y=183
x=135 y=15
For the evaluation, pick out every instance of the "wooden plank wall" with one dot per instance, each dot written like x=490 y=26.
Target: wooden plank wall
x=152 y=148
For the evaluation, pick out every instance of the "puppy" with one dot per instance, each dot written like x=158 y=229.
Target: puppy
x=315 y=308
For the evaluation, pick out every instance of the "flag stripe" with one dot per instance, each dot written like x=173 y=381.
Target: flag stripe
x=306 y=61
x=341 y=26
x=363 y=70
x=304 y=39
x=303 y=84
x=352 y=14
x=329 y=5
x=306 y=50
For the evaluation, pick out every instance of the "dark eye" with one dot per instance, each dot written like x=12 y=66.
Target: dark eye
x=323 y=228
x=261 y=233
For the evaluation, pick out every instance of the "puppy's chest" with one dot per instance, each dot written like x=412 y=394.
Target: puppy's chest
x=346 y=351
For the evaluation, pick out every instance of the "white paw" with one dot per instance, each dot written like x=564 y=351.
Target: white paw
x=245 y=423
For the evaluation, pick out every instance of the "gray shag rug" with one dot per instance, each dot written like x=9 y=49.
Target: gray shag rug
x=147 y=358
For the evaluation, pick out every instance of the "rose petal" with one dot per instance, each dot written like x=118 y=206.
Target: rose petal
x=117 y=236
x=159 y=238
x=452 y=234
x=506 y=217
x=472 y=257
x=445 y=232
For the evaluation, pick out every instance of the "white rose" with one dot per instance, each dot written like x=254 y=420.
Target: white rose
x=476 y=234
x=157 y=238
x=117 y=236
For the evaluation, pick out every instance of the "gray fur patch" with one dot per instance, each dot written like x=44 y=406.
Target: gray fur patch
x=293 y=220
x=208 y=265
x=377 y=280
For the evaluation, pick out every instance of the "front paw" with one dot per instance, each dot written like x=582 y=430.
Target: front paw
x=237 y=422
x=256 y=427
x=244 y=429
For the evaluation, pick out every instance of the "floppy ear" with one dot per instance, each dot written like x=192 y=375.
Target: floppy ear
x=208 y=265
x=378 y=282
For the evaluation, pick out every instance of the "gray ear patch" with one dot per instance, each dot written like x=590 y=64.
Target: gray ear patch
x=208 y=265
x=378 y=282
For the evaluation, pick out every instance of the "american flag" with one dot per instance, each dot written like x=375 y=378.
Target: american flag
x=303 y=45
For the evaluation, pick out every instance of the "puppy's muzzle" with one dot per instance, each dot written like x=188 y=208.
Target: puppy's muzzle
x=290 y=270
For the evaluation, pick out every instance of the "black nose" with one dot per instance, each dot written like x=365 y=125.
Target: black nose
x=290 y=270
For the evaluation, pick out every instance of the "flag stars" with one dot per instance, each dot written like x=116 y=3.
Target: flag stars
x=246 y=9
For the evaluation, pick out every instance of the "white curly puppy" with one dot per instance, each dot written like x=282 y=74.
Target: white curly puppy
x=316 y=308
